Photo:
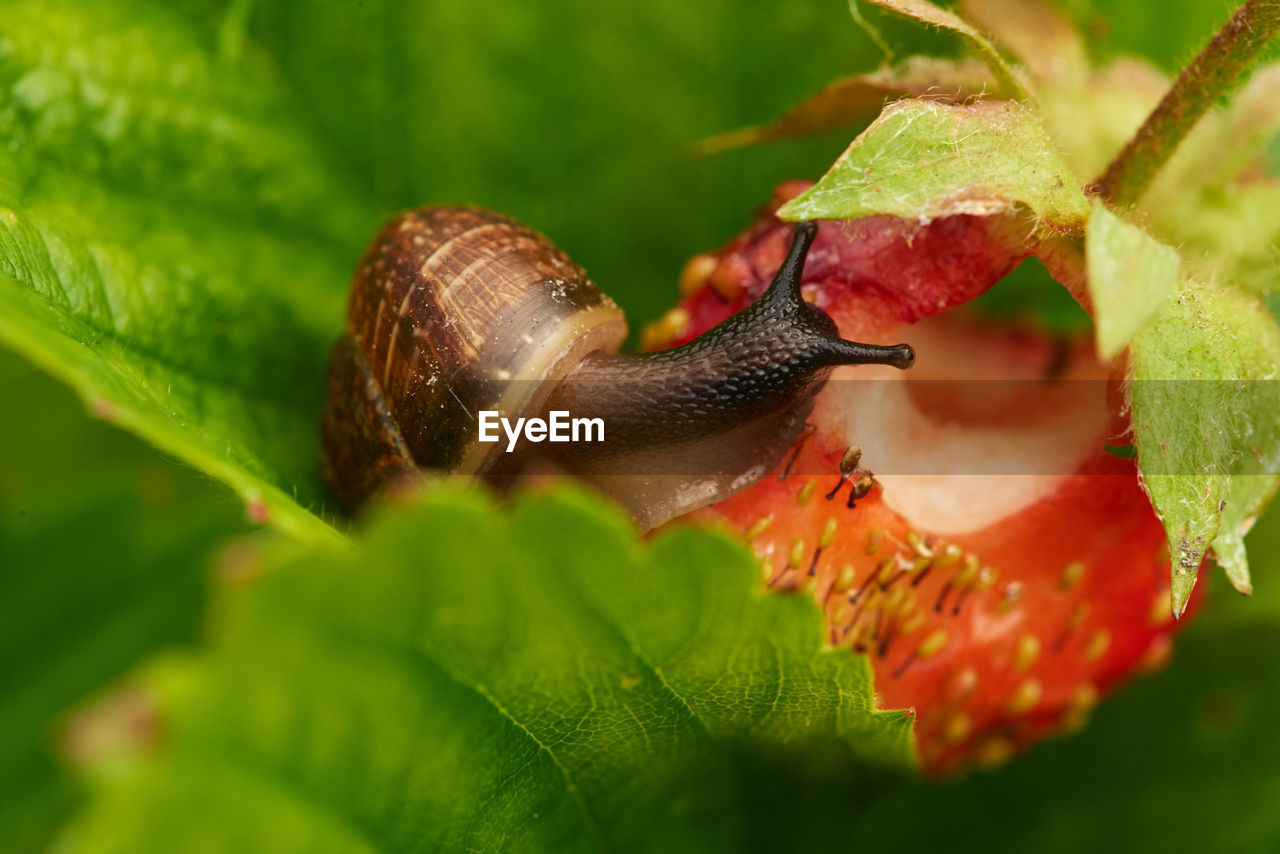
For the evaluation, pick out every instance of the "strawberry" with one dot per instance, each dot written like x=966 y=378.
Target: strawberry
x=1001 y=568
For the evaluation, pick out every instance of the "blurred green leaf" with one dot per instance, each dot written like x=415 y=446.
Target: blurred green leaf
x=170 y=243
x=103 y=549
x=536 y=692
x=1205 y=412
x=1229 y=233
x=1130 y=276
x=1218 y=201
x=1249 y=122
x=1167 y=32
x=923 y=160
x=1092 y=121
x=1031 y=296
x=1037 y=33
x=580 y=118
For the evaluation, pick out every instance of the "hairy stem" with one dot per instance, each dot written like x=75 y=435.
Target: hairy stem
x=1200 y=84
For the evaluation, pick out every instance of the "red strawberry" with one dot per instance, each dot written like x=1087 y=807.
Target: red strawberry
x=999 y=600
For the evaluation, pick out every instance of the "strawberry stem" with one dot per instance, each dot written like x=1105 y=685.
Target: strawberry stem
x=1227 y=55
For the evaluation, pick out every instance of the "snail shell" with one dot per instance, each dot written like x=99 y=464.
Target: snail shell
x=452 y=311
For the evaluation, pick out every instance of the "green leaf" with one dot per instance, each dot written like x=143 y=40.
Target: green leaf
x=924 y=160
x=926 y=13
x=170 y=244
x=468 y=680
x=1130 y=277
x=1206 y=413
x=103 y=551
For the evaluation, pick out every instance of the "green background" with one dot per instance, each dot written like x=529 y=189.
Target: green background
x=580 y=118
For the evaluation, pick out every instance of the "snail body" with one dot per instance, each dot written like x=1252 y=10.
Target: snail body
x=458 y=311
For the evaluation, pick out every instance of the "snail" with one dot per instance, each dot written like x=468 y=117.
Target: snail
x=457 y=313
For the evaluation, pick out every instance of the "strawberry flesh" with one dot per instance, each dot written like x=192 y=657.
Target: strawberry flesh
x=1000 y=567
